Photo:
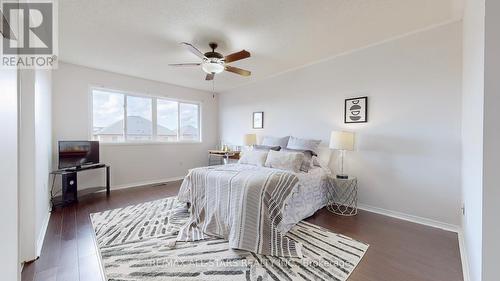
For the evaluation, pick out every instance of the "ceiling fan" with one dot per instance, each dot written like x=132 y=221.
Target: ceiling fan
x=213 y=62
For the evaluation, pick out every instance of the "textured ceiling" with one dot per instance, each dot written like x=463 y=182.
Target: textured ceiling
x=140 y=38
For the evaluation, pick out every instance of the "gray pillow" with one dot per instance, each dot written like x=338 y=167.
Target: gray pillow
x=272 y=141
x=304 y=144
x=308 y=158
x=266 y=147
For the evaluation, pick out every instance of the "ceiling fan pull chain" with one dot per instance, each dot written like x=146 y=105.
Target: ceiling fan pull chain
x=213 y=88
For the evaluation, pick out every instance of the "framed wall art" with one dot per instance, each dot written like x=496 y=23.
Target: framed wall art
x=258 y=120
x=356 y=110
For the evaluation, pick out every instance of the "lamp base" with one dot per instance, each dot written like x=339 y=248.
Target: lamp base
x=343 y=176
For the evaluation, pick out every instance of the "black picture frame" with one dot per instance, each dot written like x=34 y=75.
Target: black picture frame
x=364 y=111
x=261 y=123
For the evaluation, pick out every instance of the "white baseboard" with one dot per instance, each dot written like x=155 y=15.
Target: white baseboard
x=410 y=218
x=146 y=183
x=463 y=256
x=41 y=236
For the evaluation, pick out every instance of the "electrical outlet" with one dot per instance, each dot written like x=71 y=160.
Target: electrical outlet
x=463 y=210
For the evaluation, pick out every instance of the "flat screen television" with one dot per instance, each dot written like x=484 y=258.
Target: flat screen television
x=74 y=154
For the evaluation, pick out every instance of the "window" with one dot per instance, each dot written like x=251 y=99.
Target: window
x=189 y=121
x=168 y=122
x=147 y=118
x=108 y=110
x=139 y=118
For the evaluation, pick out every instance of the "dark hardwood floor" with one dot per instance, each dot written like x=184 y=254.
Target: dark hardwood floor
x=399 y=250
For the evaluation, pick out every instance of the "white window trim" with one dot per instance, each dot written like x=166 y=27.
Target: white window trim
x=154 y=110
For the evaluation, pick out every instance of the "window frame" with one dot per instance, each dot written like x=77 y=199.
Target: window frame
x=154 y=117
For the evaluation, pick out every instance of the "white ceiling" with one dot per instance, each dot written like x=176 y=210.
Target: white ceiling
x=140 y=38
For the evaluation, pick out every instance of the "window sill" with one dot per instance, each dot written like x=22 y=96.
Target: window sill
x=148 y=143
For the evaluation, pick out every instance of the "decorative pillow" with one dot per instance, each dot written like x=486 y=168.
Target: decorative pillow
x=304 y=144
x=253 y=157
x=266 y=147
x=272 y=141
x=308 y=161
x=290 y=161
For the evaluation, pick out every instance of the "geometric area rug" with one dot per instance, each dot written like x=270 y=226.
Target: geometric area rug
x=132 y=242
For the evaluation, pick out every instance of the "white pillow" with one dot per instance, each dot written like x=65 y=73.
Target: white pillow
x=290 y=161
x=253 y=157
x=304 y=144
x=272 y=141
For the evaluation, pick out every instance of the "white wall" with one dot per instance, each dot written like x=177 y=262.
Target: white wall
x=9 y=266
x=34 y=160
x=27 y=165
x=130 y=164
x=491 y=180
x=408 y=154
x=43 y=152
x=472 y=132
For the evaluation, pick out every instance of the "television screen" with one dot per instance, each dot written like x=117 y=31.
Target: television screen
x=78 y=153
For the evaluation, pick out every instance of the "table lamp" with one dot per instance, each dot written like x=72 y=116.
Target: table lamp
x=250 y=139
x=342 y=141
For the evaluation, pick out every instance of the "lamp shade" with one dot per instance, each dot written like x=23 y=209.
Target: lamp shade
x=250 y=139
x=342 y=140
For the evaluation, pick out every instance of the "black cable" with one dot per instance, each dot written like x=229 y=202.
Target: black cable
x=52 y=188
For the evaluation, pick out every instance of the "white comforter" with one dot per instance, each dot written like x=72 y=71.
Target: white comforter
x=309 y=195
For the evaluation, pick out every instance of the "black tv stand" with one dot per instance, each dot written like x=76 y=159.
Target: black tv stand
x=69 y=184
x=83 y=168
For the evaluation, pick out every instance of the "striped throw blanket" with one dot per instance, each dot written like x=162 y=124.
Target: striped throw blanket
x=243 y=206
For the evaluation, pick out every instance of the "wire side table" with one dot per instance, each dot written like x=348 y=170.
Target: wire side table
x=343 y=196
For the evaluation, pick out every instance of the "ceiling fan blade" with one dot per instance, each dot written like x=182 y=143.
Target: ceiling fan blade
x=237 y=56
x=210 y=76
x=185 y=64
x=194 y=50
x=237 y=70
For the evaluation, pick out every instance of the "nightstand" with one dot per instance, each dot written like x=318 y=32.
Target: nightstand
x=343 y=196
x=220 y=157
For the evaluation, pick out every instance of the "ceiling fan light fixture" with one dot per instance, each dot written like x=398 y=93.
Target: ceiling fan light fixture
x=213 y=62
x=213 y=67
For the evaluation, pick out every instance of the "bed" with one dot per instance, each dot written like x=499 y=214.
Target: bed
x=253 y=207
x=311 y=196
x=253 y=204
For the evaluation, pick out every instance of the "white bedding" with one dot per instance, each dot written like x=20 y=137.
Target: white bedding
x=310 y=195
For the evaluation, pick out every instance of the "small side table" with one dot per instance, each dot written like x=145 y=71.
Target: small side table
x=221 y=157
x=343 y=196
